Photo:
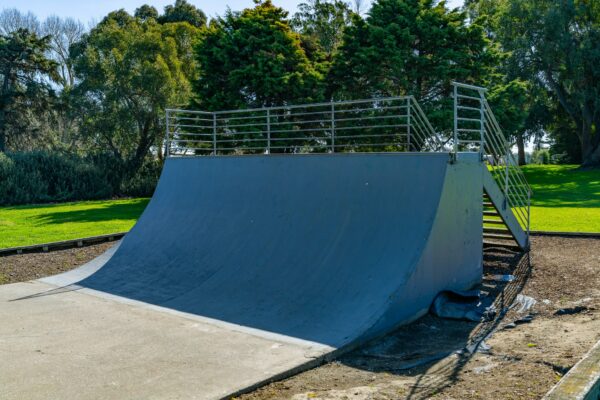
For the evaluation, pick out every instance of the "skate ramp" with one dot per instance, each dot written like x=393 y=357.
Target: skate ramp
x=331 y=249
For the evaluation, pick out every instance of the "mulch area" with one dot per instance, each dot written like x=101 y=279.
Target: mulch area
x=25 y=267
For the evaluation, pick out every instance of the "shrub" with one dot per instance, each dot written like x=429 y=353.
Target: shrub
x=40 y=177
x=143 y=183
x=541 y=157
x=43 y=177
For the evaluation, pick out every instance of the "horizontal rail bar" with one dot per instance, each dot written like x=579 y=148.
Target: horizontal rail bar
x=463 y=96
x=467 y=86
x=325 y=104
x=177 y=110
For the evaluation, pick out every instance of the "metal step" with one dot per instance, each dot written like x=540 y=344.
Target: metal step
x=493 y=221
x=491 y=213
x=497 y=236
x=501 y=231
x=497 y=197
x=506 y=245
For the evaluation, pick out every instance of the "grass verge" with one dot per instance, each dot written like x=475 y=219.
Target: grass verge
x=566 y=198
x=36 y=224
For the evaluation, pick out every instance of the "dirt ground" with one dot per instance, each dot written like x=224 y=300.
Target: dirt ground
x=519 y=354
x=25 y=267
x=521 y=360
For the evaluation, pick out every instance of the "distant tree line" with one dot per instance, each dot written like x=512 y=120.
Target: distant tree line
x=100 y=92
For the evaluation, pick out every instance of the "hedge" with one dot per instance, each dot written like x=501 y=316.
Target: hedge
x=43 y=177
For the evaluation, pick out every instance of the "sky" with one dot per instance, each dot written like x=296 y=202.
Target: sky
x=87 y=11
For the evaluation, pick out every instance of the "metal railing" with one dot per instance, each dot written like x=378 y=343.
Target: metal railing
x=476 y=129
x=375 y=125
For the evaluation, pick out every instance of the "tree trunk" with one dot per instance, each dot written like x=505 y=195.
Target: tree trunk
x=592 y=159
x=590 y=146
x=521 y=149
x=137 y=160
x=2 y=131
x=159 y=149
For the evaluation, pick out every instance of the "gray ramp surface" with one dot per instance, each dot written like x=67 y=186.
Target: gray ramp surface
x=316 y=247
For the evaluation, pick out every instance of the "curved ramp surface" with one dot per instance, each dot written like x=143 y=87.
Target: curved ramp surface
x=324 y=248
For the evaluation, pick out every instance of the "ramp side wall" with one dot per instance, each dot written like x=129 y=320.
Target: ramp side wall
x=453 y=256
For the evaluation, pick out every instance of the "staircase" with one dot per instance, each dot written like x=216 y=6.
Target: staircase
x=506 y=193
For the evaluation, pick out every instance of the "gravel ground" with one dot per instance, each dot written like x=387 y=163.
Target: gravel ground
x=429 y=358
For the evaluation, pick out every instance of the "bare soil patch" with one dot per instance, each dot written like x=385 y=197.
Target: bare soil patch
x=25 y=267
x=521 y=360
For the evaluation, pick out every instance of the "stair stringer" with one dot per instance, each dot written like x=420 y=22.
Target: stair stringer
x=499 y=200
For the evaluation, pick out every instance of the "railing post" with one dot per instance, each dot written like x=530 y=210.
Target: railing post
x=214 y=134
x=408 y=123
x=167 y=142
x=268 y=131
x=528 y=214
x=455 y=118
x=506 y=167
x=332 y=127
x=482 y=122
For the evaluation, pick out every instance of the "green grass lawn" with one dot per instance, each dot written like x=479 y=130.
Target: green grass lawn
x=36 y=224
x=565 y=199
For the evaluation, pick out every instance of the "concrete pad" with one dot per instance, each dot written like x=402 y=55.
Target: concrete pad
x=73 y=344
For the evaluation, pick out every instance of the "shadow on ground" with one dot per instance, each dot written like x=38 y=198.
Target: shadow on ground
x=564 y=186
x=415 y=350
x=102 y=212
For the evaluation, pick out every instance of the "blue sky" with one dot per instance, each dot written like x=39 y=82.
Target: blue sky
x=87 y=11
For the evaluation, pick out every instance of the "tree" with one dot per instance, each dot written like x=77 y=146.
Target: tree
x=12 y=20
x=63 y=34
x=253 y=59
x=129 y=72
x=23 y=92
x=324 y=21
x=509 y=102
x=182 y=11
x=410 y=47
x=556 y=46
x=145 y=12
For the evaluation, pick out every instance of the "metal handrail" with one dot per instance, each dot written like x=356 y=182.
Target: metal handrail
x=381 y=124
x=477 y=117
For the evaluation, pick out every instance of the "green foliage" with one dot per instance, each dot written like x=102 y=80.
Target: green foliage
x=22 y=92
x=146 y=12
x=253 y=59
x=554 y=45
x=511 y=105
x=43 y=177
x=130 y=70
x=323 y=21
x=182 y=11
x=541 y=156
x=410 y=47
x=144 y=182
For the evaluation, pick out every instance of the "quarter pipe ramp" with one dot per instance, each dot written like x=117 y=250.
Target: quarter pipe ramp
x=325 y=248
